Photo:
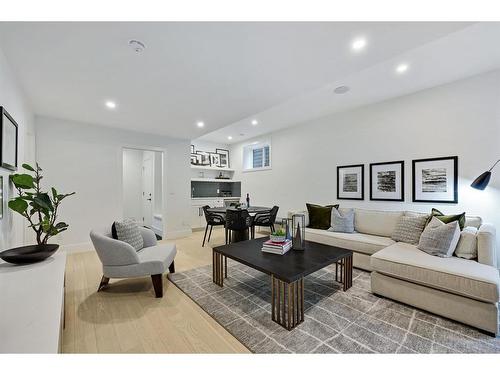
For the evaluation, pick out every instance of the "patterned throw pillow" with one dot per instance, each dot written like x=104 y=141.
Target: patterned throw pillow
x=449 y=218
x=128 y=231
x=342 y=222
x=467 y=245
x=320 y=216
x=440 y=239
x=409 y=228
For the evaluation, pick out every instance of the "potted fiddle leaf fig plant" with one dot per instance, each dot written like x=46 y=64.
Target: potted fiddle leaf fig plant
x=40 y=209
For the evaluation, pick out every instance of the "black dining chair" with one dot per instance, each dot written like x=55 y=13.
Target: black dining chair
x=213 y=220
x=265 y=219
x=238 y=221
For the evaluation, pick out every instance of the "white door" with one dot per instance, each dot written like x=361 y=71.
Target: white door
x=147 y=188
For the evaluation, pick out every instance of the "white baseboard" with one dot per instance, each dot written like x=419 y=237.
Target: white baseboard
x=78 y=247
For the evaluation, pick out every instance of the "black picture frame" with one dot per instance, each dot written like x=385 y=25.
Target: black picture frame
x=205 y=157
x=196 y=158
x=3 y=126
x=225 y=153
x=362 y=185
x=1 y=197
x=454 y=183
x=214 y=159
x=401 y=198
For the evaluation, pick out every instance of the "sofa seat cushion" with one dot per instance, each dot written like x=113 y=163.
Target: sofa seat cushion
x=359 y=242
x=153 y=260
x=455 y=275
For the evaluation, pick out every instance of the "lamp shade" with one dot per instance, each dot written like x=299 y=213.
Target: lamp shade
x=481 y=181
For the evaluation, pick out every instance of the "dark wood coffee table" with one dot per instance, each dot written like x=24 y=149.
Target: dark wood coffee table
x=287 y=272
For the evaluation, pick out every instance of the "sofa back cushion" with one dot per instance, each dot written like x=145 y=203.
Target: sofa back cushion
x=409 y=228
x=379 y=223
x=342 y=222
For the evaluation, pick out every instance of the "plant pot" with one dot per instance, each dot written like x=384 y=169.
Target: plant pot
x=28 y=254
x=274 y=238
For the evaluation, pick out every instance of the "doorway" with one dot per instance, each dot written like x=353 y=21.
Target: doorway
x=143 y=188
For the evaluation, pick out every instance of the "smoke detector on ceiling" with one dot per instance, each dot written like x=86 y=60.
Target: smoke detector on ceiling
x=136 y=45
x=341 y=89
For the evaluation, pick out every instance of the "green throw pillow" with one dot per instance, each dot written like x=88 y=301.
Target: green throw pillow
x=320 y=216
x=448 y=218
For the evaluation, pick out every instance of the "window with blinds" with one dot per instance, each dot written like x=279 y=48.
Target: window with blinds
x=257 y=156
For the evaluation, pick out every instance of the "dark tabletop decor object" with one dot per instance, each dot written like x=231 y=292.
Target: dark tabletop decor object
x=483 y=180
x=298 y=231
x=28 y=254
x=40 y=209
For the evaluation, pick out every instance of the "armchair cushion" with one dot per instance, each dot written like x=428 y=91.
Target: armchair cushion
x=128 y=231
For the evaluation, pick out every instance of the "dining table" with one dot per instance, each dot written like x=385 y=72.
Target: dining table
x=238 y=236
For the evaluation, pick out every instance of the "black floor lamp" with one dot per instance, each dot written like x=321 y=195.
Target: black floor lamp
x=482 y=181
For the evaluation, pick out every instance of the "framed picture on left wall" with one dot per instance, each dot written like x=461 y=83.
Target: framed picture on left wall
x=351 y=182
x=8 y=136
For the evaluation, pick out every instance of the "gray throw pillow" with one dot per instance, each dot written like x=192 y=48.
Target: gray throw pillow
x=128 y=231
x=409 y=228
x=440 y=239
x=342 y=222
x=467 y=245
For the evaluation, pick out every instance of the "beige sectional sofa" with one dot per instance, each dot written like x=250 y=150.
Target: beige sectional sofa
x=460 y=289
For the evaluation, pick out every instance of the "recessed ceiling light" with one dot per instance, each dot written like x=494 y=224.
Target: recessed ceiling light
x=358 y=44
x=136 y=45
x=200 y=124
x=341 y=89
x=402 y=68
x=110 y=104
x=255 y=122
x=229 y=137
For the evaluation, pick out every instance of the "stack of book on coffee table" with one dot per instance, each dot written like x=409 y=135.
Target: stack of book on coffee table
x=277 y=247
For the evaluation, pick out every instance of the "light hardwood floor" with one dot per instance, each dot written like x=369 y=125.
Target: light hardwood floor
x=126 y=318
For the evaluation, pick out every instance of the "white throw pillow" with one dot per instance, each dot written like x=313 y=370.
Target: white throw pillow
x=440 y=239
x=467 y=245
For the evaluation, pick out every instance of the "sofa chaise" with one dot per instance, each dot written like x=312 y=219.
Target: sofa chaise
x=460 y=289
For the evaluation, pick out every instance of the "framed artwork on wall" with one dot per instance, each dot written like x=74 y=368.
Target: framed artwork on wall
x=435 y=180
x=350 y=182
x=8 y=141
x=387 y=181
x=224 y=157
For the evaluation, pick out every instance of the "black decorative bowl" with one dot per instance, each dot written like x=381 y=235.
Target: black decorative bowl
x=28 y=254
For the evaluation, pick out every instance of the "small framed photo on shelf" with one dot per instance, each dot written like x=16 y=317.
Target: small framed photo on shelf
x=195 y=159
x=387 y=181
x=192 y=149
x=8 y=136
x=350 y=182
x=224 y=157
x=435 y=180
x=214 y=159
x=204 y=157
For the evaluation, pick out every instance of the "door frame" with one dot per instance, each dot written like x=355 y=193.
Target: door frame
x=163 y=152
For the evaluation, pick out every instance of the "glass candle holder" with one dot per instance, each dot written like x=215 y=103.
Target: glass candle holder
x=298 y=231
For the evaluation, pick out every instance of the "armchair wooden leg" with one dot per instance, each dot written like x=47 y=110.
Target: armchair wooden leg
x=171 y=268
x=206 y=228
x=103 y=283
x=157 y=285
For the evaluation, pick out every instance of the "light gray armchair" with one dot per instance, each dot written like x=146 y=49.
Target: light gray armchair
x=120 y=260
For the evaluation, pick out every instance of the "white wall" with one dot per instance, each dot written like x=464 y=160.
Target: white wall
x=13 y=226
x=88 y=159
x=132 y=184
x=462 y=118
x=158 y=186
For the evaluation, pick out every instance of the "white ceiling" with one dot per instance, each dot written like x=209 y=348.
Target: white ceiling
x=228 y=73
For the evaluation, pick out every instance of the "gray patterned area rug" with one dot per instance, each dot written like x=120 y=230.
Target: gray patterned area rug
x=355 y=321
